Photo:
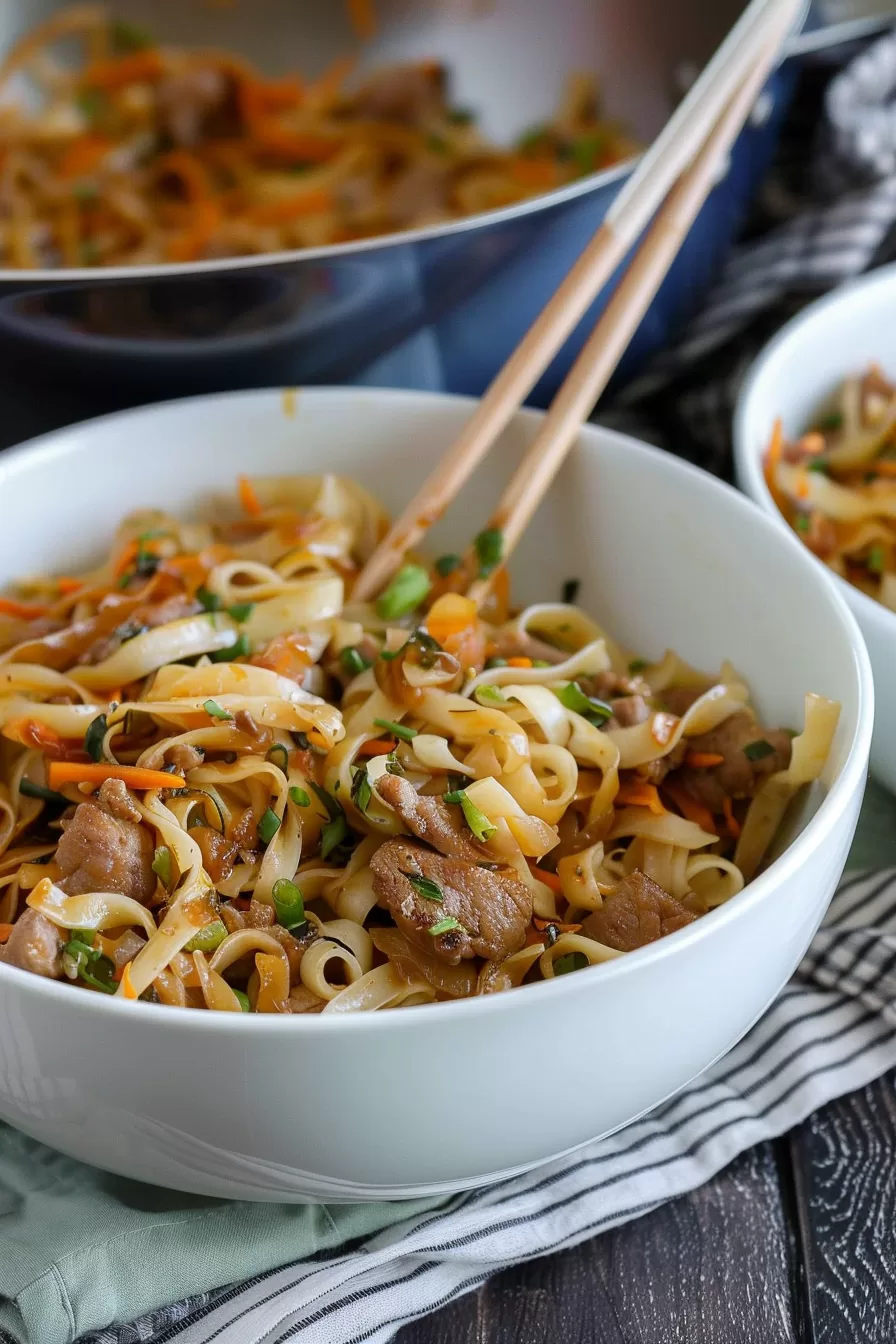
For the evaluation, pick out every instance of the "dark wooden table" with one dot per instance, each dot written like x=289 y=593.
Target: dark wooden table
x=794 y=1243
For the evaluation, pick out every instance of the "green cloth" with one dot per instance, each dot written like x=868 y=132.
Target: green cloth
x=80 y=1250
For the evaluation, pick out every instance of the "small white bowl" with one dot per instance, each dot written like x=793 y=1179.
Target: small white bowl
x=453 y=1095
x=838 y=336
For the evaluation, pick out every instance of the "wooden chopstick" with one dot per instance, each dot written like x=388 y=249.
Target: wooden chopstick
x=672 y=151
x=607 y=343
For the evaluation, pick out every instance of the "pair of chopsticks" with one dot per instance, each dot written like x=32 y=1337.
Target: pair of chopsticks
x=669 y=186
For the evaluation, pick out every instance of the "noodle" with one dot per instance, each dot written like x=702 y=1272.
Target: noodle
x=141 y=153
x=226 y=786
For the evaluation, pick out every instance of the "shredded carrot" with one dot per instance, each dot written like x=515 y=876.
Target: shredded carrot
x=703 y=760
x=325 y=89
x=304 y=203
x=191 y=244
x=5 y=931
x=68 y=586
x=542 y=924
x=131 y=69
x=519 y=662
x=248 y=498
x=272 y=138
x=127 y=986
x=549 y=879
x=690 y=808
x=126 y=558
x=535 y=172
x=73 y=772
x=450 y=614
x=377 y=746
x=812 y=443
x=23 y=611
x=772 y=461
x=83 y=156
x=641 y=795
x=730 y=819
x=259 y=98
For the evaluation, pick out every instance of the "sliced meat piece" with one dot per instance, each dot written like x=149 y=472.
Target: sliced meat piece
x=439 y=824
x=607 y=685
x=738 y=774
x=99 y=852
x=188 y=100
x=491 y=904
x=630 y=710
x=636 y=912
x=517 y=644
x=114 y=797
x=420 y=195
x=184 y=757
x=678 y=699
x=656 y=771
x=35 y=945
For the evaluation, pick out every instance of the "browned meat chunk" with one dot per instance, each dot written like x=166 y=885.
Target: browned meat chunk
x=218 y=853
x=114 y=797
x=35 y=945
x=99 y=852
x=606 y=685
x=405 y=93
x=678 y=699
x=739 y=772
x=420 y=195
x=656 y=771
x=188 y=100
x=184 y=757
x=491 y=905
x=636 y=912
x=439 y=824
x=629 y=710
x=515 y=644
x=244 y=721
x=140 y=620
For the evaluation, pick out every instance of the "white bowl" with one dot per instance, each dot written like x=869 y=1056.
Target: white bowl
x=445 y=1097
x=839 y=335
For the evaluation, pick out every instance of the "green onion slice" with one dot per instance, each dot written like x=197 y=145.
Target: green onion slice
x=93 y=738
x=352 y=662
x=279 y=756
x=404 y=594
x=571 y=961
x=161 y=866
x=299 y=797
x=397 y=729
x=288 y=904
x=489 y=547
x=425 y=887
x=445 y=926
x=268 y=826
x=758 y=750
x=214 y=709
x=209 y=938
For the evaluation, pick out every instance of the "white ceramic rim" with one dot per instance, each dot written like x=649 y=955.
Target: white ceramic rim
x=749 y=461
x=834 y=804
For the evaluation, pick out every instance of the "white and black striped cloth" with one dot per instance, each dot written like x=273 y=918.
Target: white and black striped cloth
x=834 y=1027
x=833 y=1030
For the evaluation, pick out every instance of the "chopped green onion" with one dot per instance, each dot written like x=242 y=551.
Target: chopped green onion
x=571 y=591
x=429 y=890
x=210 y=601
x=243 y=1000
x=161 y=866
x=586 y=151
x=572 y=961
x=461 y=116
x=214 y=709
x=238 y=649
x=877 y=560
x=352 y=662
x=531 y=139
x=397 y=729
x=447 y=564
x=831 y=422
x=489 y=550
x=571 y=696
x=475 y=818
x=299 y=797
x=362 y=791
x=288 y=904
x=268 y=826
x=333 y=835
x=93 y=738
x=455 y=796
x=85 y=193
x=404 y=594
x=495 y=662
x=758 y=750
x=241 y=611
x=446 y=926
x=209 y=938
x=541 y=662
x=31 y=790
x=637 y=665
x=91 y=103
x=388 y=655
x=436 y=144
x=801 y=523
x=127 y=36
x=279 y=756
x=393 y=765
x=88 y=963
x=333 y=808
x=820 y=467
x=490 y=695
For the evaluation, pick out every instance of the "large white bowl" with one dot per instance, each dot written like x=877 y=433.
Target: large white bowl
x=449 y=1096
x=839 y=335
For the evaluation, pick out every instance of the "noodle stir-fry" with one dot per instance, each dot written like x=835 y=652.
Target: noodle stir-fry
x=225 y=784
x=836 y=484
x=136 y=153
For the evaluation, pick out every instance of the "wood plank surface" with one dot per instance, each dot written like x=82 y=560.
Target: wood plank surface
x=714 y=1267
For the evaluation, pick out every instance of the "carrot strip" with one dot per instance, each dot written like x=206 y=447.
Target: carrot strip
x=248 y=498
x=703 y=760
x=73 y=772
x=132 y=69
x=68 y=586
x=641 y=795
x=549 y=879
x=190 y=245
x=770 y=466
x=730 y=819
x=690 y=808
x=271 y=138
x=519 y=662
x=377 y=746
x=23 y=611
x=535 y=172
x=450 y=615
x=83 y=156
x=127 y=985
x=5 y=931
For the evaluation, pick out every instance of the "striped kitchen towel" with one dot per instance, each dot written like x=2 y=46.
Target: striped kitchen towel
x=832 y=1030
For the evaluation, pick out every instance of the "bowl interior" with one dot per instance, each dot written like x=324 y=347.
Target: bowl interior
x=667 y=556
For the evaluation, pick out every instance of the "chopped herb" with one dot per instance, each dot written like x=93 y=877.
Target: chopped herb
x=447 y=564
x=446 y=926
x=268 y=826
x=388 y=655
x=586 y=151
x=299 y=797
x=334 y=834
x=877 y=560
x=429 y=890
x=571 y=591
x=210 y=601
x=571 y=696
x=288 y=904
x=161 y=866
x=758 y=750
x=93 y=738
x=436 y=144
x=31 y=790
x=85 y=193
x=829 y=423
x=490 y=695
x=404 y=594
x=461 y=116
x=475 y=818
x=362 y=791
x=209 y=938
x=802 y=522
x=637 y=665
x=83 y=961
x=241 y=611
x=531 y=139
x=129 y=36
x=489 y=550
x=214 y=709
x=869 y=477
x=243 y=1000
x=572 y=961
x=820 y=467
x=91 y=103
x=352 y=662
x=397 y=729
x=393 y=765
x=238 y=649
x=454 y=796
x=333 y=808
x=495 y=662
